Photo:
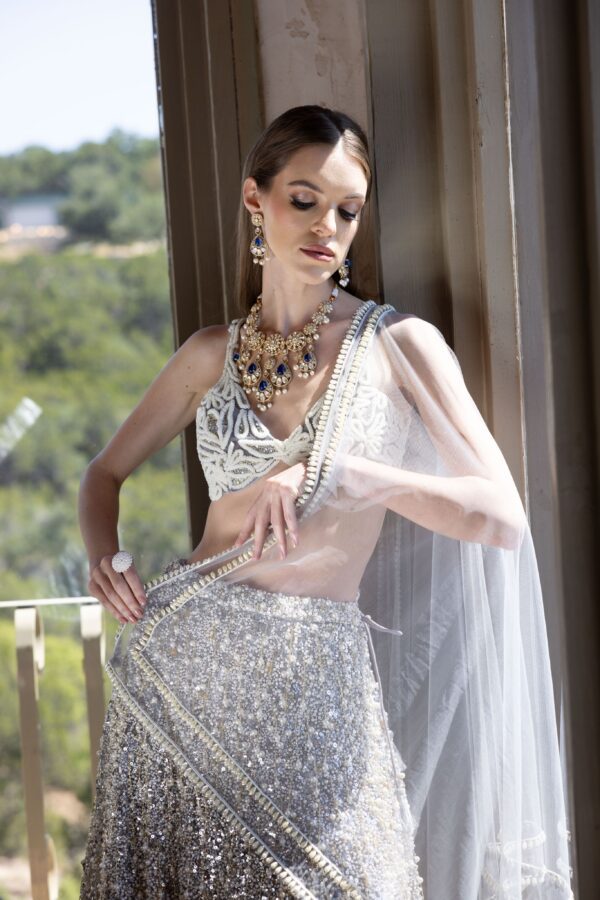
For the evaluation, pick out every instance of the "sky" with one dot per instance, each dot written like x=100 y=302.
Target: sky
x=72 y=70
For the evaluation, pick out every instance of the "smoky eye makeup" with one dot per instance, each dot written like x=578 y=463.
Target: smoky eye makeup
x=302 y=204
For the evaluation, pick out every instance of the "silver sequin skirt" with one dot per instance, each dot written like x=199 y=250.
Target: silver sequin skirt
x=246 y=754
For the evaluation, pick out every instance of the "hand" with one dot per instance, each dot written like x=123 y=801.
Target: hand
x=275 y=505
x=121 y=593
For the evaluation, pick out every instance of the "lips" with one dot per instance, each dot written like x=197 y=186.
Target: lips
x=318 y=251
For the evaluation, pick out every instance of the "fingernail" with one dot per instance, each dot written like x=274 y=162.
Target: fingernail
x=281 y=553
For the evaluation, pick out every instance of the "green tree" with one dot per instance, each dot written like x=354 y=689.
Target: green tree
x=85 y=337
x=113 y=190
x=93 y=203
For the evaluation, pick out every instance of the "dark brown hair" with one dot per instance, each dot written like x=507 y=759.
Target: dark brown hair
x=292 y=130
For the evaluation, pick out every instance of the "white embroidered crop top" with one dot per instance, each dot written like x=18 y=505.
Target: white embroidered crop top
x=234 y=447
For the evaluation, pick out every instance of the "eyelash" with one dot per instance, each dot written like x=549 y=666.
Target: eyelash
x=350 y=217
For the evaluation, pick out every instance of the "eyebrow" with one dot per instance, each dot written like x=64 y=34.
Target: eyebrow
x=314 y=187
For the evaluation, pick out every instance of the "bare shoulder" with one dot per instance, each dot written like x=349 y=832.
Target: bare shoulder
x=422 y=346
x=411 y=331
x=204 y=356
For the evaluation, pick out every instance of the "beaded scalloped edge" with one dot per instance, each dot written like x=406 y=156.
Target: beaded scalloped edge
x=530 y=873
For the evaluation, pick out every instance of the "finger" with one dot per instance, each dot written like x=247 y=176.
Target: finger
x=243 y=535
x=96 y=591
x=114 y=597
x=277 y=523
x=100 y=584
x=121 y=586
x=291 y=519
x=260 y=530
x=246 y=531
x=135 y=583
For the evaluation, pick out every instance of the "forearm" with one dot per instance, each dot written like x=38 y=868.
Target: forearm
x=467 y=507
x=98 y=513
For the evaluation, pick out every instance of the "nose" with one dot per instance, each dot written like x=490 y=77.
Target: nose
x=326 y=224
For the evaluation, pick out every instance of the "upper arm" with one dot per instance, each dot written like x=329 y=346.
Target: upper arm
x=169 y=403
x=431 y=375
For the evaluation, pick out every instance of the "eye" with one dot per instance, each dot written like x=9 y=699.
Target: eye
x=300 y=204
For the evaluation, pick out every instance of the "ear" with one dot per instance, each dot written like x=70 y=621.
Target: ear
x=250 y=196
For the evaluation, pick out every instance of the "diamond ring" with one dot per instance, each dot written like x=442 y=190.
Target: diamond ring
x=121 y=561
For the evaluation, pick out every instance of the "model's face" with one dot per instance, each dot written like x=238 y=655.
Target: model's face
x=315 y=199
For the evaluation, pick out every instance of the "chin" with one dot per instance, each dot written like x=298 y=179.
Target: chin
x=313 y=275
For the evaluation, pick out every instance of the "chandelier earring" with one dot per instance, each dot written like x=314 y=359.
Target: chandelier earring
x=258 y=245
x=344 y=272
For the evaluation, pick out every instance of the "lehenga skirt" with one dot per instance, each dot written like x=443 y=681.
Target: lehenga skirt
x=246 y=753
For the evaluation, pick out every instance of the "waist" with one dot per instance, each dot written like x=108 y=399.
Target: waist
x=251 y=598
x=296 y=607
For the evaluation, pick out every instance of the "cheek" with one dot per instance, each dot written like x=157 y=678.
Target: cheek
x=286 y=219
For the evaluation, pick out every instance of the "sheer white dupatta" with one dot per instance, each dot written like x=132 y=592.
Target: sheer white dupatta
x=410 y=502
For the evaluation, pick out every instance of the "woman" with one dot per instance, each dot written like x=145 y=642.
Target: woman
x=345 y=690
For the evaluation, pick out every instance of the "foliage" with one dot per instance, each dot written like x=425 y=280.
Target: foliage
x=12 y=816
x=82 y=336
x=112 y=190
x=35 y=170
x=84 y=339
x=63 y=719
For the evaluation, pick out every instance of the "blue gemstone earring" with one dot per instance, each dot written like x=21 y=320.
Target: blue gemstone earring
x=258 y=245
x=344 y=272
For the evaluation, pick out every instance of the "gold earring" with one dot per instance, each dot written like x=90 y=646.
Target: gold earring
x=258 y=245
x=344 y=272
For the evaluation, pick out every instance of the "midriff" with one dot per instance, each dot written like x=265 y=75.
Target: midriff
x=226 y=516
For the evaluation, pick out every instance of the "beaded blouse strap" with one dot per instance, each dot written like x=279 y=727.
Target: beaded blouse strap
x=230 y=364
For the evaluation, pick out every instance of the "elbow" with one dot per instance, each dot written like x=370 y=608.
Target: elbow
x=96 y=470
x=87 y=475
x=501 y=522
x=509 y=531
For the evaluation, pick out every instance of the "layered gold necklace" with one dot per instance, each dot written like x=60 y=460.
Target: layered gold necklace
x=263 y=358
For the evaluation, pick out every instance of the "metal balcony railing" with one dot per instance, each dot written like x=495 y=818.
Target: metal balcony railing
x=29 y=639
